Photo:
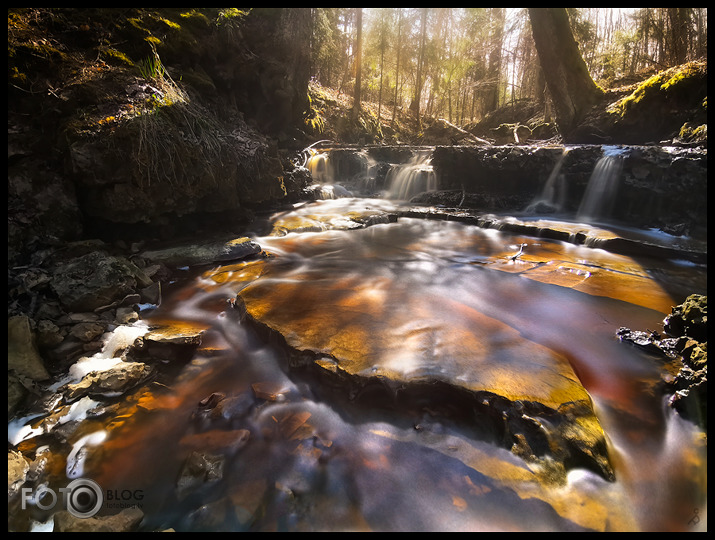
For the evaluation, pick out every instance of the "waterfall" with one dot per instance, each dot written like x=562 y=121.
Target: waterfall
x=320 y=167
x=600 y=194
x=408 y=179
x=553 y=194
x=366 y=180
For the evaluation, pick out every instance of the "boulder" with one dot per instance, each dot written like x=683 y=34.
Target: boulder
x=115 y=380
x=689 y=318
x=199 y=468
x=95 y=280
x=23 y=357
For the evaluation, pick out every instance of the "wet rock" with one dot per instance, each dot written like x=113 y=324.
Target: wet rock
x=689 y=318
x=95 y=280
x=217 y=440
x=23 y=356
x=151 y=294
x=412 y=357
x=328 y=191
x=206 y=253
x=652 y=341
x=209 y=402
x=126 y=315
x=171 y=342
x=115 y=380
x=217 y=409
x=87 y=331
x=233 y=407
x=270 y=391
x=66 y=352
x=199 y=469
x=127 y=520
x=48 y=334
x=25 y=366
x=686 y=347
x=17 y=470
x=320 y=220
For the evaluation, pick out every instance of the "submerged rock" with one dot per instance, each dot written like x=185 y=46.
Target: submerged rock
x=198 y=469
x=511 y=390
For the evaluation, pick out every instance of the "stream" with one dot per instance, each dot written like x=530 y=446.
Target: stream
x=248 y=435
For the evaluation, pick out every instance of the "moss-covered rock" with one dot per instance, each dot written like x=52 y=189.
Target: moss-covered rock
x=658 y=107
x=689 y=318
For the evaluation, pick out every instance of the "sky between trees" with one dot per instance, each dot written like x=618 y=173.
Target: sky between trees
x=460 y=63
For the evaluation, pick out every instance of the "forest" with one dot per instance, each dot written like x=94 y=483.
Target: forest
x=463 y=63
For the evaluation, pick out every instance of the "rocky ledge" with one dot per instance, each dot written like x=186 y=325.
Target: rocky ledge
x=685 y=350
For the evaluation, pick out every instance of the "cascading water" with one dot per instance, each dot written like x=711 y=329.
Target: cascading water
x=366 y=181
x=320 y=167
x=597 y=201
x=411 y=178
x=323 y=172
x=553 y=194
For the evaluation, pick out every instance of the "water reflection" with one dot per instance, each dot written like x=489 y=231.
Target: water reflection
x=297 y=452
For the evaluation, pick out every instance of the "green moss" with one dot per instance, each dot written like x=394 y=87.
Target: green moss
x=137 y=23
x=170 y=24
x=43 y=49
x=314 y=122
x=195 y=17
x=117 y=55
x=688 y=132
x=17 y=77
x=666 y=82
x=232 y=13
x=689 y=70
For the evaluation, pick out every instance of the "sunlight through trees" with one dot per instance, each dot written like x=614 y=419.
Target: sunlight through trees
x=462 y=63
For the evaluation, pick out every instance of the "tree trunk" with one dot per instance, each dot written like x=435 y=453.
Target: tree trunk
x=358 y=66
x=415 y=105
x=570 y=86
x=397 y=67
x=678 y=18
x=491 y=101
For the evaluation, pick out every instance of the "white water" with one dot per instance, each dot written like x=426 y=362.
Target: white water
x=553 y=194
x=320 y=168
x=411 y=178
x=602 y=188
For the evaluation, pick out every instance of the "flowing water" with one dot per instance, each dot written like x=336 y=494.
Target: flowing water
x=295 y=452
x=603 y=185
x=406 y=180
x=553 y=194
